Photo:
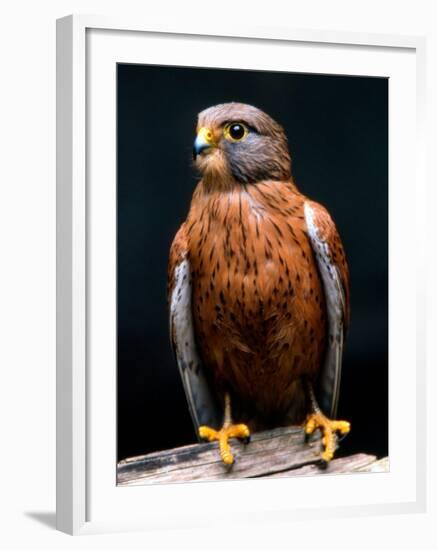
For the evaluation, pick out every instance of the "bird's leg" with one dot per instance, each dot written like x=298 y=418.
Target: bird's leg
x=329 y=428
x=228 y=431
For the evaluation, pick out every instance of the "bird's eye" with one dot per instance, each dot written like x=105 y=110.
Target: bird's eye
x=235 y=131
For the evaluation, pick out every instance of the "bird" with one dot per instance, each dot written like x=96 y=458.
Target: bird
x=258 y=289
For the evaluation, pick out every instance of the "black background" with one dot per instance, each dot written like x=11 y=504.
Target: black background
x=337 y=128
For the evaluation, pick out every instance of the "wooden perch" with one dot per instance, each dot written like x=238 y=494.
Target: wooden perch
x=276 y=453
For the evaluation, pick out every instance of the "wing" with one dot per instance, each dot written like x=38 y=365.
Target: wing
x=201 y=403
x=333 y=269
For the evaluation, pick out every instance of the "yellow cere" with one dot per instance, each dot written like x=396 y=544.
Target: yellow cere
x=206 y=135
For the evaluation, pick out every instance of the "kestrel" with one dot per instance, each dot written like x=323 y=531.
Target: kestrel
x=258 y=288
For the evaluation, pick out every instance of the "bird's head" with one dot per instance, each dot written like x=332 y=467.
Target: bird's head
x=239 y=144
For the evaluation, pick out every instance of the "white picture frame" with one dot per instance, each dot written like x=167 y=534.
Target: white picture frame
x=76 y=427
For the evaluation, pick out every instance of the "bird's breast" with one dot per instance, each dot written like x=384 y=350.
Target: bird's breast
x=258 y=304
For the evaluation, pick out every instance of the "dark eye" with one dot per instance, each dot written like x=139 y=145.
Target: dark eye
x=235 y=131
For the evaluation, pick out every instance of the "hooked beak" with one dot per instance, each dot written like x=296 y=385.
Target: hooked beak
x=204 y=141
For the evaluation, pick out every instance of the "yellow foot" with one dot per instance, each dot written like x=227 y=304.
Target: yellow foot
x=239 y=431
x=328 y=428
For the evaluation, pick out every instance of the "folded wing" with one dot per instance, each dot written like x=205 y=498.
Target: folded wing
x=331 y=261
x=201 y=403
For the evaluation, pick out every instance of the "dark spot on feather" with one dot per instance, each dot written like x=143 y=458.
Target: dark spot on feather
x=278 y=231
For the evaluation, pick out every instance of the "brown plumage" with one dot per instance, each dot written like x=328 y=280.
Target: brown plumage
x=259 y=312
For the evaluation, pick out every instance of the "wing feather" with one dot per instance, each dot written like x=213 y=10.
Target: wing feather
x=331 y=262
x=201 y=403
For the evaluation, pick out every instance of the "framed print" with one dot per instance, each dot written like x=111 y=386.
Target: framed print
x=235 y=306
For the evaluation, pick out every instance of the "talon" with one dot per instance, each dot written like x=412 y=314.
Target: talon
x=328 y=427
x=205 y=432
x=323 y=464
x=227 y=432
x=342 y=426
x=228 y=458
x=237 y=431
x=310 y=426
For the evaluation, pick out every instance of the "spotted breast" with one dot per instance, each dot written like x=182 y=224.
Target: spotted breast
x=260 y=323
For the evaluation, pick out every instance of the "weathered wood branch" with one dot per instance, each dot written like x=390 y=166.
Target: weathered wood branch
x=282 y=452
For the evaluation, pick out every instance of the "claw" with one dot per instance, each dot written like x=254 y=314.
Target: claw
x=329 y=429
x=238 y=431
